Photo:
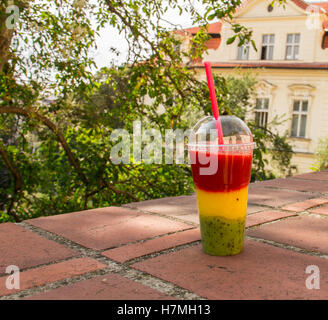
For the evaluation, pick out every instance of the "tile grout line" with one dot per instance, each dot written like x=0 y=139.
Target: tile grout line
x=159 y=253
x=293 y=215
x=315 y=180
x=123 y=269
x=94 y=253
x=114 y=267
x=266 y=208
x=172 y=218
x=30 y=292
x=49 y=264
x=322 y=194
x=288 y=247
x=85 y=250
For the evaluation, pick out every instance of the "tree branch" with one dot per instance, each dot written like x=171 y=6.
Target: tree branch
x=33 y=114
x=123 y=192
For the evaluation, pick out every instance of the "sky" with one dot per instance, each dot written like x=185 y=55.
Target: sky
x=109 y=37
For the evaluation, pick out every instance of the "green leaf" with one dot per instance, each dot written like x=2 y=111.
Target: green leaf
x=231 y=40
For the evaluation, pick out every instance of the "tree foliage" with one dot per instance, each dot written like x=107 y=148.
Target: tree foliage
x=321 y=155
x=55 y=157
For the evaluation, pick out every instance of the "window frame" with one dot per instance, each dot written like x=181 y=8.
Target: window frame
x=264 y=101
x=267 y=45
x=293 y=45
x=242 y=49
x=299 y=115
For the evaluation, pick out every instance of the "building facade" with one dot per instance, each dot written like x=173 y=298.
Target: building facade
x=291 y=65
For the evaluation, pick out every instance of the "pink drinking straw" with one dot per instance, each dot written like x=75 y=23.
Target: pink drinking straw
x=214 y=102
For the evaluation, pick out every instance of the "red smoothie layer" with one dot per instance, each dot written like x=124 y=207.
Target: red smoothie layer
x=234 y=171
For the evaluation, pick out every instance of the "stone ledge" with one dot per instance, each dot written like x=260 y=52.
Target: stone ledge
x=69 y=256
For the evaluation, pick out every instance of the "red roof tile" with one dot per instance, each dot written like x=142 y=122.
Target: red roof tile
x=323 y=5
x=217 y=26
x=301 y=4
x=213 y=28
x=213 y=43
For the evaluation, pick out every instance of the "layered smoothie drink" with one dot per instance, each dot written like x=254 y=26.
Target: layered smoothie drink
x=221 y=181
x=222 y=197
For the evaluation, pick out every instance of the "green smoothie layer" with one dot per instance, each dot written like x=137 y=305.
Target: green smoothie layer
x=222 y=237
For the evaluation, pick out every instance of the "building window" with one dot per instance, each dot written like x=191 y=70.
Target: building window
x=267 y=47
x=243 y=52
x=300 y=113
x=262 y=112
x=293 y=46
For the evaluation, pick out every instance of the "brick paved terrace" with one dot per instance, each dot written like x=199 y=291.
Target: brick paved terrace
x=151 y=250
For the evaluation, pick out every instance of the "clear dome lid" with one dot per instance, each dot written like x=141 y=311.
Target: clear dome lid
x=234 y=130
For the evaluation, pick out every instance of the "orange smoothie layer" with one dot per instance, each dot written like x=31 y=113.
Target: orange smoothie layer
x=230 y=205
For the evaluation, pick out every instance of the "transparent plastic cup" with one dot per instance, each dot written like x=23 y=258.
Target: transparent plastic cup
x=221 y=175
